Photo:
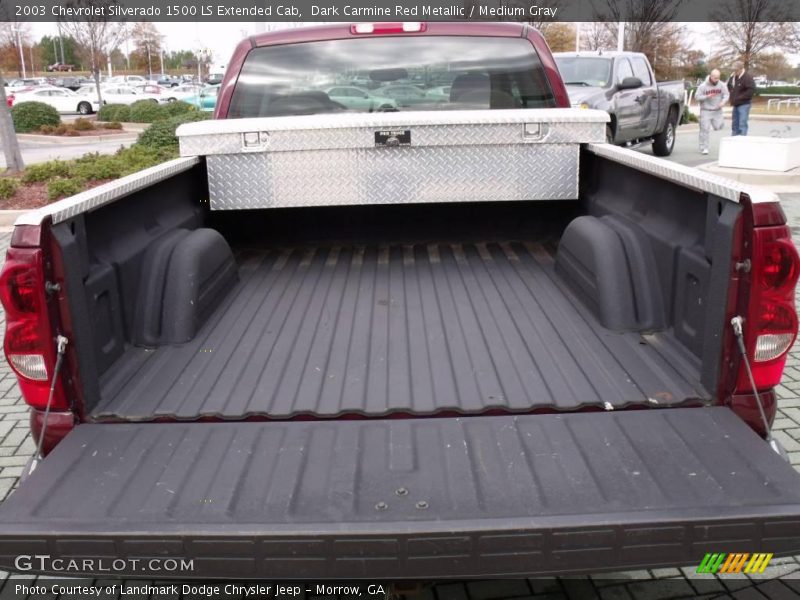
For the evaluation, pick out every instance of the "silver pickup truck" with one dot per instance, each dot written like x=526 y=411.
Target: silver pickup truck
x=624 y=85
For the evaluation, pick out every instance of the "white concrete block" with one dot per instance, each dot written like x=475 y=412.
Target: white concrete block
x=759 y=152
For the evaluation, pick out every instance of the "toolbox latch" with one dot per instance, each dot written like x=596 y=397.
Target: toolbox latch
x=254 y=140
x=535 y=132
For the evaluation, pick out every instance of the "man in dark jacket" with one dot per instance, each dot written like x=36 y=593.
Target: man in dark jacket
x=741 y=86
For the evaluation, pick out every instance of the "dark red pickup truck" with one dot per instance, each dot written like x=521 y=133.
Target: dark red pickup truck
x=459 y=337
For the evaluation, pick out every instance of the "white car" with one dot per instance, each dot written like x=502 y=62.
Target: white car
x=118 y=94
x=129 y=79
x=62 y=99
x=182 y=92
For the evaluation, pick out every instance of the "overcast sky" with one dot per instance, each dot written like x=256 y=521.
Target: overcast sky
x=221 y=38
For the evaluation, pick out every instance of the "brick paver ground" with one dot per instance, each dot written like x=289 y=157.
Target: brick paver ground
x=781 y=579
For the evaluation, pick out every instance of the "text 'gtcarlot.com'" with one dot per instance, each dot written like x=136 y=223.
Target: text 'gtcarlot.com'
x=44 y=562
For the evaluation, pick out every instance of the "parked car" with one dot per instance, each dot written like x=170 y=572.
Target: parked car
x=19 y=84
x=404 y=94
x=205 y=98
x=62 y=99
x=72 y=83
x=122 y=94
x=60 y=67
x=164 y=80
x=624 y=85
x=126 y=79
x=416 y=345
x=214 y=78
x=182 y=92
x=360 y=99
x=439 y=93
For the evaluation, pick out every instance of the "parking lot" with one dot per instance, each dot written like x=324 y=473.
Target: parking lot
x=781 y=579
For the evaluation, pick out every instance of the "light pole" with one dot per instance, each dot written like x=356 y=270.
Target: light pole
x=621 y=37
x=127 y=47
x=60 y=43
x=16 y=29
x=577 y=37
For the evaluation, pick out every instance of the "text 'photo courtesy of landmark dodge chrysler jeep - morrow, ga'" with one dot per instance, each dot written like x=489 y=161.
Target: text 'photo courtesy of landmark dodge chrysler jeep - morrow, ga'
x=465 y=337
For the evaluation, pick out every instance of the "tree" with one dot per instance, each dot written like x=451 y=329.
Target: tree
x=560 y=36
x=759 y=26
x=50 y=50
x=598 y=36
x=96 y=37
x=147 y=43
x=645 y=20
x=180 y=59
x=773 y=65
x=11 y=34
x=8 y=137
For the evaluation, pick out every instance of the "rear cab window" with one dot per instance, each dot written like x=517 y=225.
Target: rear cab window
x=391 y=74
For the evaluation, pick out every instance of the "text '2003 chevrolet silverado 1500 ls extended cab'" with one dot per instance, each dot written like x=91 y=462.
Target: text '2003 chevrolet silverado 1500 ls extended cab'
x=464 y=338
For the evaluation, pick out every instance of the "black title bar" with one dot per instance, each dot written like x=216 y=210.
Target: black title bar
x=536 y=11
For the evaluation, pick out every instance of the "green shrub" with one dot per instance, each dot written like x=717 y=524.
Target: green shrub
x=81 y=124
x=112 y=125
x=45 y=171
x=784 y=89
x=61 y=187
x=8 y=186
x=688 y=117
x=30 y=116
x=139 y=157
x=162 y=134
x=146 y=111
x=114 y=112
x=96 y=167
x=173 y=109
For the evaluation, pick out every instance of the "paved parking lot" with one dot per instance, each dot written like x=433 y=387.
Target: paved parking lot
x=781 y=580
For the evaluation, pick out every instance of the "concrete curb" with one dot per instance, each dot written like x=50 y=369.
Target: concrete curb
x=758 y=117
x=58 y=140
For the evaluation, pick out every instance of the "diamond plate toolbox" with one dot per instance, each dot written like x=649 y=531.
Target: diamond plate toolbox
x=393 y=158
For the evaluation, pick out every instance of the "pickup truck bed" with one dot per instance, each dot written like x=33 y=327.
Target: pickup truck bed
x=412 y=328
x=221 y=316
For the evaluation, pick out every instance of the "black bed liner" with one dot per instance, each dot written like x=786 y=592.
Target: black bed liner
x=416 y=329
x=410 y=498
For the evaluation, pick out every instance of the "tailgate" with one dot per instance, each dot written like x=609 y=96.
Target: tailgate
x=416 y=498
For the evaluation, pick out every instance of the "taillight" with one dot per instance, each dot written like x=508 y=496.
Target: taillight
x=770 y=325
x=406 y=27
x=29 y=339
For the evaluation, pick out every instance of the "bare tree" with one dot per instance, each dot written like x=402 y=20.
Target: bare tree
x=760 y=25
x=645 y=20
x=598 y=36
x=8 y=137
x=95 y=36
